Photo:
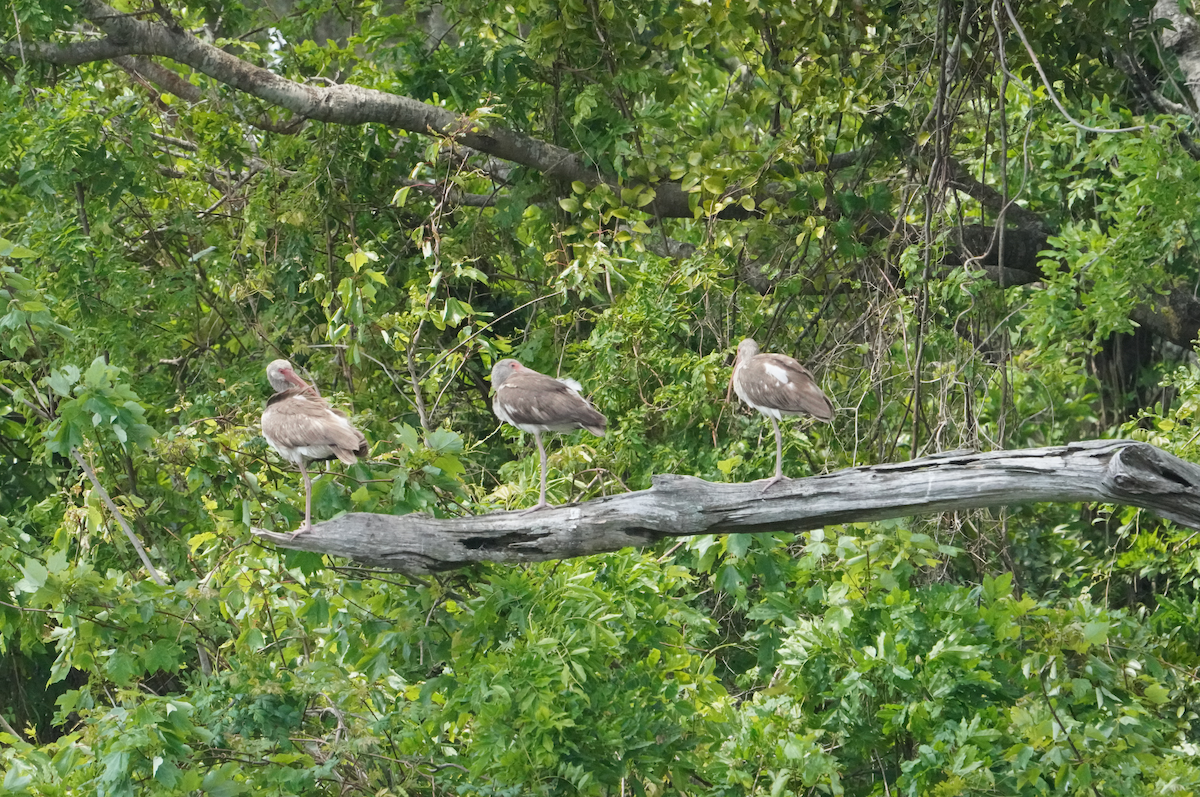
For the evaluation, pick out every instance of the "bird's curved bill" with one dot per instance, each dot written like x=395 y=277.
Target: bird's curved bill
x=290 y=376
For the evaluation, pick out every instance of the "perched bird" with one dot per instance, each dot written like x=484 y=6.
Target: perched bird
x=776 y=385
x=303 y=428
x=537 y=403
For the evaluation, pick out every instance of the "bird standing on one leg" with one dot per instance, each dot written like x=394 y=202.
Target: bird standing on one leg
x=776 y=385
x=537 y=403
x=303 y=428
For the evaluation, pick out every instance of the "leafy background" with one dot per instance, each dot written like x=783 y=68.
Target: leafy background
x=155 y=253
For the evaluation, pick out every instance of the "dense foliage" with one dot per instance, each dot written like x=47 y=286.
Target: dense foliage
x=844 y=168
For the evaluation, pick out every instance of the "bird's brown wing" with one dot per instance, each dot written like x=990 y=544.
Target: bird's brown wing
x=778 y=381
x=297 y=418
x=534 y=399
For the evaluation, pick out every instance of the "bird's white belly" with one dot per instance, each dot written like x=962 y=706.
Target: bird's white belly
x=502 y=412
x=297 y=454
x=770 y=412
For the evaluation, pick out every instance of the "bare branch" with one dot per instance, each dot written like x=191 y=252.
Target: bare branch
x=340 y=103
x=38 y=411
x=962 y=180
x=160 y=76
x=72 y=54
x=452 y=194
x=4 y=726
x=1108 y=471
x=116 y=513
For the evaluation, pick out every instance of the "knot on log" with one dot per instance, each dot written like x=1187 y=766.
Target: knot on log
x=1140 y=468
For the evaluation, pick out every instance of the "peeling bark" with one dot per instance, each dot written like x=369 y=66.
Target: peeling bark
x=1108 y=471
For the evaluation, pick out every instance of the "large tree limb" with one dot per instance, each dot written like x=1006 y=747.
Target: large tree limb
x=70 y=54
x=340 y=103
x=1176 y=317
x=1173 y=315
x=1106 y=471
x=962 y=180
x=347 y=104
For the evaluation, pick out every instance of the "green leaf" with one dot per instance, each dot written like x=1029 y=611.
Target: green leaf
x=359 y=258
x=35 y=575
x=737 y=545
x=1096 y=632
x=97 y=374
x=713 y=184
x=445 y=441
x=61 y=380
x=1157 y=693
x=455 y=311
x=10 y=249
x=164 y=655
x=406 y=437
x=727 y=466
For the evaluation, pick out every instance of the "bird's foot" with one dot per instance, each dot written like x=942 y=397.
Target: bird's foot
x=301 y=530
x=535 y=508
x=771 y=482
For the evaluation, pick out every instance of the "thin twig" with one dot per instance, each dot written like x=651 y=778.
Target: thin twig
x=108 y=502
x=484 y=328
x=20 y=42
x=37 y=410
x=362 y=353
x=8 y=728
x=1050 y=89
x=1059 y=722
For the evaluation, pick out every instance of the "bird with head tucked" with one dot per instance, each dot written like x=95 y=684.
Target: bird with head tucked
x=303 y=428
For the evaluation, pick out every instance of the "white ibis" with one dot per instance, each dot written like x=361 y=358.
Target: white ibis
x=776 y=385
x=537 y=403
x=303 y=428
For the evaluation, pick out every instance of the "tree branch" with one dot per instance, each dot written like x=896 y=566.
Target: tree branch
x=1107 y=471
x=70 y=54
x=160 y=76
x=350 y=105
x=116 y=513
x=339 y=104
x=961 y=179
x=345 y=104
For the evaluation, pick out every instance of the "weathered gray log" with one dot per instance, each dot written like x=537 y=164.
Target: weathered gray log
x=1104 y=471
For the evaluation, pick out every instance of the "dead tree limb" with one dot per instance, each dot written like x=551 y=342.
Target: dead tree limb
x=1104 y=471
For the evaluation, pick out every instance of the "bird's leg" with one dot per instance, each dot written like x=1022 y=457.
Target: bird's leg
x=541 y=452
x=778 y=458
x=307 y=502
x=541 y=504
